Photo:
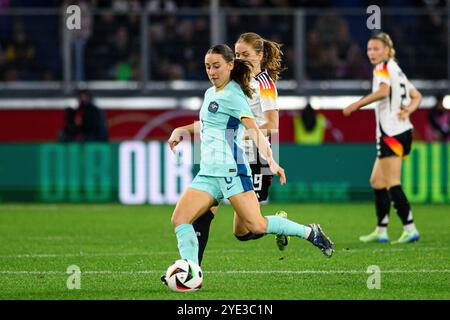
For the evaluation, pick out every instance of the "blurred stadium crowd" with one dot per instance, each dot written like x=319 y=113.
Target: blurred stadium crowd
x=108 y=45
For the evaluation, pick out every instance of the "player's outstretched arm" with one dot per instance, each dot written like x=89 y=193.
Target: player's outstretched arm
x=271 y=123
x=177 y=134
x=381 y=93
x=263 y=147
x=416 y=98
x=270 y=126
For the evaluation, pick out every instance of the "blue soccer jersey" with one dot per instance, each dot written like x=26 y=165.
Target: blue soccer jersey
x=221 y=132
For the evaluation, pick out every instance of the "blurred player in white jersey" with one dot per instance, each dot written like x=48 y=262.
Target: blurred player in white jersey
x=395 y=99
x=265 y=57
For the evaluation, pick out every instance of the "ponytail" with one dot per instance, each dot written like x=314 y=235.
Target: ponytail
x=242 y=74
x=272 y=59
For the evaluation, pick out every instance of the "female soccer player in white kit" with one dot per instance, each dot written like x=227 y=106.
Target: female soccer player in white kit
x=395 y=99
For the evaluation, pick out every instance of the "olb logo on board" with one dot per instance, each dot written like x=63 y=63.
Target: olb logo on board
x=150 y=173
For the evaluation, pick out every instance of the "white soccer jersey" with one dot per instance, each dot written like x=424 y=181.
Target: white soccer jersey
x=387 y=109
x=265 y=96
x=263 y=99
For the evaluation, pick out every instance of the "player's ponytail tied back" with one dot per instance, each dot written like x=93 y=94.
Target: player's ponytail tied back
x=272 y=60
x=386 y=39
x=242 y=74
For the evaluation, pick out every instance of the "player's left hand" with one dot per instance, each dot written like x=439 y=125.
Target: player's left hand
x=403 y=113
x=279 y=171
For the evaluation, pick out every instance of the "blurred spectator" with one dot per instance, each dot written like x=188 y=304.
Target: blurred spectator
x=120 y=50
x=234 y=26
x=161 y=5
x=5 y=20
x=5 y=4
x=357 y=66
x=2 y=62
x=428 y=3
x=352 y=63
x=328 y=26
x=70 y=131
x=86 y=123
x=275 y=3
x=168 y=61
x=439 y=121
x=98 y=59
x=332 y=53
x=327 y=64
x=7 y=73
x=433 y=61
x=310 y=127
x=20 y=56
x=125 y=6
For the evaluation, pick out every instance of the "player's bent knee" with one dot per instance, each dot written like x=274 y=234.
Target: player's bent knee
x=178 y=219
x=257 y=228
x=245 y=237
x=249 y=236
x=214 y=209
x=377 y=183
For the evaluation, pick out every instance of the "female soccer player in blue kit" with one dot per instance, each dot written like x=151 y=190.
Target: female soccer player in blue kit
x=224 y=169
x=265 y=59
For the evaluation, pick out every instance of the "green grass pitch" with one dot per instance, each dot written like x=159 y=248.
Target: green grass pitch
x=123 y=250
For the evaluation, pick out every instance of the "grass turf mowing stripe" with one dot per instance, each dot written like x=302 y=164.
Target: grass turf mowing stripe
x=101 y=272
x=125 y=254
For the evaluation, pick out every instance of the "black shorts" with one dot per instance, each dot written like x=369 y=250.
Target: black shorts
x=261 y=180
x=398 y=145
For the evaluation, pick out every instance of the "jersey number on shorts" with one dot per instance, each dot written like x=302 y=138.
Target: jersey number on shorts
x=257 y=181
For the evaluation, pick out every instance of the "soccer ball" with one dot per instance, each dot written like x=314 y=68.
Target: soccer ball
x=184 y=276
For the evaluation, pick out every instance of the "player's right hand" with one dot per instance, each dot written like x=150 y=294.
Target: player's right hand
x=349 y=109
x=175 y=138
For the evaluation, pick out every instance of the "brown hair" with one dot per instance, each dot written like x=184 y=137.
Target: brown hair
x=271 y=53
x=386 y=39
x=242 y=71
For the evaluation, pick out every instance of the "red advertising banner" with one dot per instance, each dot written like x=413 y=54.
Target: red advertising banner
x=42 y=125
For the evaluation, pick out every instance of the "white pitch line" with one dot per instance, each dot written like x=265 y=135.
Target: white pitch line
x=232 y=272
x=151 y=253
x=112 y=254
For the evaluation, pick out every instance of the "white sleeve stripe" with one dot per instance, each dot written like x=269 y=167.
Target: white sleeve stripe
x=267 y=81
x=261 y=81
